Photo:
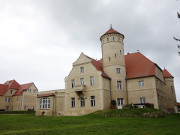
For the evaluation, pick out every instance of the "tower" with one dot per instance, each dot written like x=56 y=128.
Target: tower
x=114 y=64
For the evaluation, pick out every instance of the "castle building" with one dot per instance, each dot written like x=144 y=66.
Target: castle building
x=16 y=97
x=126 y=79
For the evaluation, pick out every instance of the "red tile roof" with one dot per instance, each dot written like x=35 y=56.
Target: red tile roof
x=45 y=95
x=137 y=65
x=12 y=84
x=22 y=88
x=112 y=31
x=166 y=74
x=98 y=65
x=3 y=89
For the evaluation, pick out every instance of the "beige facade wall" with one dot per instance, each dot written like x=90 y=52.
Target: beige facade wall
x=97 y=90
x=148 y=91
x=56 y=103
x=20 y=102
x=171 y=95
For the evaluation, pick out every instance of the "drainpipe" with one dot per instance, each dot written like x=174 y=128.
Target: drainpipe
x=126 y=90
x=110 y=94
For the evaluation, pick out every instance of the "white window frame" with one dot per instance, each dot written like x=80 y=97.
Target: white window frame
x=119 y=85
x=142 y=100
x=82 y=102
x=91 y=80
x=118 y=70
x=73 y=102
x=72 y=83
x=82 y=81
x=44 y=103
x=93 y=101
x=141 y=83
x=82 y=69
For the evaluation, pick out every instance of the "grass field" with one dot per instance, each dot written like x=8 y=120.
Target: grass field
x=91 y=124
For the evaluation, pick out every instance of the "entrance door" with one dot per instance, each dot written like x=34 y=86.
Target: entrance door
x=120 y=102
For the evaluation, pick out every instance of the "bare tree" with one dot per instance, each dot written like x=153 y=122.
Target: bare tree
x=177 y=39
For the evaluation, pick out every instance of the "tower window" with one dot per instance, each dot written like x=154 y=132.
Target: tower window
x=115 y=55
x=141 y=83
x=109 y=59
x=119 y=85
x=118 y=70
x=108 y=40
x=172 y=89
x=113 y=38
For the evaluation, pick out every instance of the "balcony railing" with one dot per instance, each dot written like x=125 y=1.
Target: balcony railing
x=80 y=88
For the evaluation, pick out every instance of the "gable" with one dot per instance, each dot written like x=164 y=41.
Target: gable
x=81 y=60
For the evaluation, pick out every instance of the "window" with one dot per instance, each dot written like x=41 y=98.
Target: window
x=115 y=55
x=91 y=80
x=118 y=70
x=25 y=107
x=82 y=102
x=120 y=52
x=29 y=90
x=109 y=59
x=82 y=69
x=113 y=38
x=119 y=85
x=141 y=83
x=6 y=99
x=25 y=100
x=118 y=39
x=9 y=99
x=34 y=91
x=72 y=83
x=92 y=101
x=18 y=108
x=82 y=81
x=44 y=103
x=17 y=98
x=73 y=102
x=11 y=92
x=108 y=40
x=172 y=90
x=142 y=100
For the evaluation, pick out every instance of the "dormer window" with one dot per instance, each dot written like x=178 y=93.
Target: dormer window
x=82 y=69
x=11 y=92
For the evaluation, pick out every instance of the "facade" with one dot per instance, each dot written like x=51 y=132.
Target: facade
x=127 y=79
x=14 y=97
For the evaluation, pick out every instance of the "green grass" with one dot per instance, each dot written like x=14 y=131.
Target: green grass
x=91 y=124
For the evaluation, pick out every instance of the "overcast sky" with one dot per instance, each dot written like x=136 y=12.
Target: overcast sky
x=40 y=39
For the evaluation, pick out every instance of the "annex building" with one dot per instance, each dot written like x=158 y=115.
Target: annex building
x=15 y=96
x=127 y=79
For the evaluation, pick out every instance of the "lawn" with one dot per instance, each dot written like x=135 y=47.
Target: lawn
x=91 y=124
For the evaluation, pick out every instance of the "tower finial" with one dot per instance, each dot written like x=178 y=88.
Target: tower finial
x=110 y=26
